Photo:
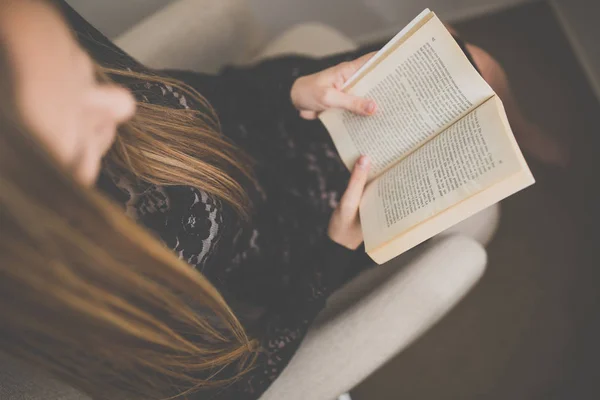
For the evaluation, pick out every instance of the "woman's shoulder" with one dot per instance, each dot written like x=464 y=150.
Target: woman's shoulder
x=100 y=48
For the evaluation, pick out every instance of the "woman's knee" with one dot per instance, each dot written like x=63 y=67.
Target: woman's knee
x=490 y=68
x=451 y=29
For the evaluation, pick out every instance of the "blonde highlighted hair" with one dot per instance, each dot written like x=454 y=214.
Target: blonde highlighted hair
x=171 y=146
x=86 y=293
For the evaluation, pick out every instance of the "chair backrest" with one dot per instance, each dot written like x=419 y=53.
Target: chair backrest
x=198 y=35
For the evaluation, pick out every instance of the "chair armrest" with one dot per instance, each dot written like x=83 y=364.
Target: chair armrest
x=199 y=35
x=402 y=302
x=313 y=39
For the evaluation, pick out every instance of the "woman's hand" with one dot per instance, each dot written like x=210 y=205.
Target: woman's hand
x=344 y=225
x=314 y=93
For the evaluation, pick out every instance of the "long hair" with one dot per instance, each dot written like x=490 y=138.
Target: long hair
x=172 y=146
x=86 y=293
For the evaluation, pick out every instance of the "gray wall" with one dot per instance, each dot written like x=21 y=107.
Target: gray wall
x=359 y=19
x=579 y=19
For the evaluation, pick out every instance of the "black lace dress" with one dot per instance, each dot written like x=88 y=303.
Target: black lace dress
x=278 y=270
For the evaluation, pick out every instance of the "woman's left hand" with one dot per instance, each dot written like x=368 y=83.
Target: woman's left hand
x=314 y=93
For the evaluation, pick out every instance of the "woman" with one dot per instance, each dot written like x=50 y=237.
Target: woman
x=233 y=181
x=98 y=302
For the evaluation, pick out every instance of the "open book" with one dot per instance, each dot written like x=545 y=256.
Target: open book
x=440 y=145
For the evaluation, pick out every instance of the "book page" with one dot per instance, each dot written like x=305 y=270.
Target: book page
x=470 y=156
x=389 y=46
x=421 y=88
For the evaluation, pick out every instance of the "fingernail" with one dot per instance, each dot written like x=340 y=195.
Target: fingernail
x=363 y=161
x=370 y=107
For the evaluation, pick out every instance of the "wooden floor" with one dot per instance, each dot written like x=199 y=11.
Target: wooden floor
x=530 y=327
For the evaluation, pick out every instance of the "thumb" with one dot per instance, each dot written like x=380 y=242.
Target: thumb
x=337 y=99
x=351 y=198
x=307 y=114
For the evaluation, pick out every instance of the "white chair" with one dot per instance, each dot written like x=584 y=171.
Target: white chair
x=368 y=321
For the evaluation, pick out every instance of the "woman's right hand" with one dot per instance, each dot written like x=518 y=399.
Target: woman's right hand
x=344 y=225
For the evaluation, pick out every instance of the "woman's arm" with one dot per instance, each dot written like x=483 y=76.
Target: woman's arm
x=264 y=90
x=285 y=326
x=283 y=329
